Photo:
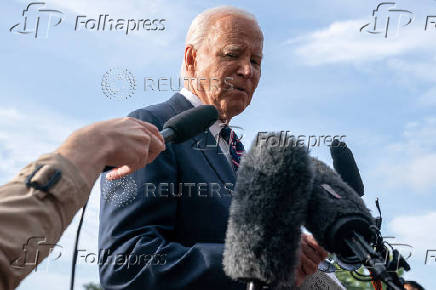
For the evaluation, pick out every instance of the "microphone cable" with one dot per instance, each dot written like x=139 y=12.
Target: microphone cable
x=76 y=243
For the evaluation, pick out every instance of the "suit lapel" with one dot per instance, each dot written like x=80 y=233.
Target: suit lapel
x=206 y=144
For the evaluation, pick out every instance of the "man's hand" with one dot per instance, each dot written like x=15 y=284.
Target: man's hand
x=126 y=143
x=311 y=255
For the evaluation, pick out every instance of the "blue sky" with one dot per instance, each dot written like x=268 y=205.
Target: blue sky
x=320 y=76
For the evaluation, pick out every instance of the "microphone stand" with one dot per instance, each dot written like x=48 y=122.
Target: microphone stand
x=371 y=259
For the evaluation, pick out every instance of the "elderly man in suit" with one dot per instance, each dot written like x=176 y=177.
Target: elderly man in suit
x=171 y=235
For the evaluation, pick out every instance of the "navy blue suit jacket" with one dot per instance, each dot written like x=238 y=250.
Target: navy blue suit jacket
x=170 y=234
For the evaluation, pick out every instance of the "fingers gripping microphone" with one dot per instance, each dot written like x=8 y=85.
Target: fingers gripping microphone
x=336 y=212
x=186 y=125
x=268 y=208
x=345 y=166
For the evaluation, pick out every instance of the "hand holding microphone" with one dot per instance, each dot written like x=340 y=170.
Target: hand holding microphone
x=127 y=143
x=176 y=130
x=132 y=144
x=123 y=145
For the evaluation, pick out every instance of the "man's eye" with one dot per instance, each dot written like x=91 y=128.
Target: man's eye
x=231 y=55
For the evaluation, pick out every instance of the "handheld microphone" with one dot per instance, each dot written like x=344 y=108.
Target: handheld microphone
x=186 y=125
x=189 y=123
x=268 y=207
x=345 y=165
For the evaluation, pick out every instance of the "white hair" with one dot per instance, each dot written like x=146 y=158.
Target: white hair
x=199 y=29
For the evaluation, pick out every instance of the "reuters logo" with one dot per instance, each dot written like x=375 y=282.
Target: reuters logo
x=118 y=83
x=120 y=192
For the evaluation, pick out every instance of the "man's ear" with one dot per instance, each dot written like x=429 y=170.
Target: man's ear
x=190 y=59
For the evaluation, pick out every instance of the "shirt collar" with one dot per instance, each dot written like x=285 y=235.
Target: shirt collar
x=195 y=101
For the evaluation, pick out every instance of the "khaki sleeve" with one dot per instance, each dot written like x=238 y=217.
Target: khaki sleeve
x=31 y=220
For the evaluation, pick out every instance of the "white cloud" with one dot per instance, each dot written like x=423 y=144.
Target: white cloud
x=26 y=135
x=421 y=70
x=342 y=42
x=10 y=115
x=418 y=137
x=417 y=173
x=152 y=50
x=418 y=230
x=410 y=161
x=418 y=75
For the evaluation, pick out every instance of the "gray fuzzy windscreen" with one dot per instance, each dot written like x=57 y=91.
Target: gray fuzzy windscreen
x=268 y=207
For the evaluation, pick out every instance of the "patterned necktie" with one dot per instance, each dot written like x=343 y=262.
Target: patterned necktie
x=236 y=149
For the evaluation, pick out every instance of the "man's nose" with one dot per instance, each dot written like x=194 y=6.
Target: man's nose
x=245 y=69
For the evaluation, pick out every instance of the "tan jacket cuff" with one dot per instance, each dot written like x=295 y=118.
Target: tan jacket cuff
x=71 y=191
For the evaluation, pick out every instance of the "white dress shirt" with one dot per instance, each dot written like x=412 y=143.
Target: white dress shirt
x=215 y=129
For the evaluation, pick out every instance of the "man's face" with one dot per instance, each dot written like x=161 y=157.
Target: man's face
x=229 y=60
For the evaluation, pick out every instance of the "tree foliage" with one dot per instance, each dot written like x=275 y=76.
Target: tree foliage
x=350 y=283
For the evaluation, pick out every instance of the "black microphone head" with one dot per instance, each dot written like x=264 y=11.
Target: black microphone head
x=345 y=165
x=335 y=211
x=192 y=122
x=268 y=207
